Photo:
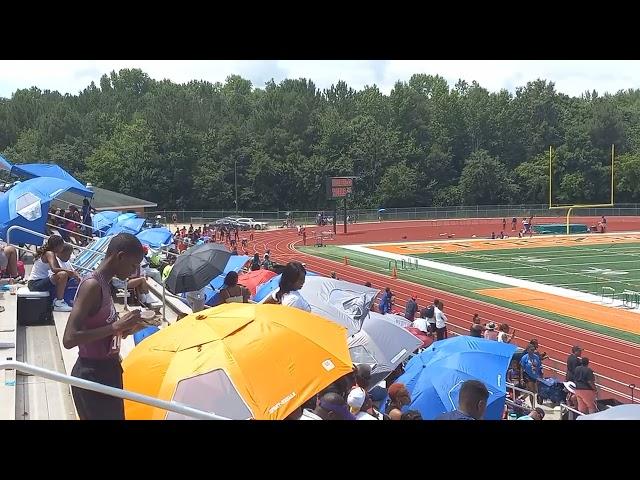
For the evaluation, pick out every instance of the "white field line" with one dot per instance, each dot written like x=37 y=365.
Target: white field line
x=532 y=240
x=492 y=277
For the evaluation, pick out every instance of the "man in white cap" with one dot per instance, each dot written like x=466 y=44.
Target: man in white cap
x=355 y=400
x=491 y=333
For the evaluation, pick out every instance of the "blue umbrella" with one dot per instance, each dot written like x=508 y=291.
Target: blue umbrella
x=380 y=210
x=27 y=205
x=102 y=221
x=155 y=237
x=50 y=170
x=434 y=377
x=129 y=225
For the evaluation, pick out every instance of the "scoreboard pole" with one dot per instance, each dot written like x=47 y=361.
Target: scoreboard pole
x=345 y=214
x=339 y=187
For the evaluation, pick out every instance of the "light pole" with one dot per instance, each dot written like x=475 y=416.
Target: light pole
x=235 y=176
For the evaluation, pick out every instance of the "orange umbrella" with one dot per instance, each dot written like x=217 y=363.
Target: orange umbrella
x=251 y=280
x=237 y=360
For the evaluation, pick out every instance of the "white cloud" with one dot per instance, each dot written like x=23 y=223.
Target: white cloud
x=571 y=77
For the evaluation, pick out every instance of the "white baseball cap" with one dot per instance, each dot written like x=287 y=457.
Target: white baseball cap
x=356 y=398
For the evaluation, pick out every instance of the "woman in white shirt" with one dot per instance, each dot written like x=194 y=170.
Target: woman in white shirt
x=441 y=320
x=503 y=334
x=292 y=280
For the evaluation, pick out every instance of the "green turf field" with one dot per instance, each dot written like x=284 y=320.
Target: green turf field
x=586 y=268
x=468 y=286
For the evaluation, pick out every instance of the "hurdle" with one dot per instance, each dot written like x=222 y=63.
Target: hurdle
x=630 y=299
x=608 y=291
x=410 y=264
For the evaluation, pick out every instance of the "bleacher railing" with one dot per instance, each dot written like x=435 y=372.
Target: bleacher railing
x=10 y=365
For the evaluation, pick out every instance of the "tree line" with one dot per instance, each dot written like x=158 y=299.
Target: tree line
x=426 y=143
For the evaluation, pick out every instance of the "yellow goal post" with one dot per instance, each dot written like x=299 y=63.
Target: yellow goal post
x=571 y=207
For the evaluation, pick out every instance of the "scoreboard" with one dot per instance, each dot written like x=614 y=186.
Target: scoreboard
x=339 y=187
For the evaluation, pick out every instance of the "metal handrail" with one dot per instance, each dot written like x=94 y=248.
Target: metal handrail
x=58 y=227
x=632 y=387
x=534 y=399
x=84 y=225
x=68 y=203
x=564 y=406
x=111 y=391
x=41 y=235
x=67 y=219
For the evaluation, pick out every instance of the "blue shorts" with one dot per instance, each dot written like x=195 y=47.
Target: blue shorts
x=40 y=285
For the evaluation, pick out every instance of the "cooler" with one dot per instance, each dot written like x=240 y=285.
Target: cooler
x=34 y=308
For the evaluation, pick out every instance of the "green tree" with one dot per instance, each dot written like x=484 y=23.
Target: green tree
x=400 y=186
x=486 y=181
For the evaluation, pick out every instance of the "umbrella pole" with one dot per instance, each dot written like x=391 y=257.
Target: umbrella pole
x=164 y=304
x=164 y=296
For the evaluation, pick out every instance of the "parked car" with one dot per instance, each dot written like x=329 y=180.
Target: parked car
x=227 y=222
x=251 y=223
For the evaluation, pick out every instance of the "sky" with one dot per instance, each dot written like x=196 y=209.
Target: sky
x=572 y=77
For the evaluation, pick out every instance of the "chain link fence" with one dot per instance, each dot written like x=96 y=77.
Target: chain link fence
x=277 y=218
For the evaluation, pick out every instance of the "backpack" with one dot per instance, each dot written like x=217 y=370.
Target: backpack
x=430 y=312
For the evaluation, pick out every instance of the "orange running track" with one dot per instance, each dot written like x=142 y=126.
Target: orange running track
x=616 y=362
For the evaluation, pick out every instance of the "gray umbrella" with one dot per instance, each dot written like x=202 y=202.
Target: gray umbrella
x=353 y=299
x=382 y=344
x=332 y=313
x=621 y=412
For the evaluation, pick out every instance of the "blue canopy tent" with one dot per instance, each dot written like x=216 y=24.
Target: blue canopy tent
x=50 y=170
x=27 y=205
x=155 y=237
x=129 y=225
x=102 y=221
x=434 y=377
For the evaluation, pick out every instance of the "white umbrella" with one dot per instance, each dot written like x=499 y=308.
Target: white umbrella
x=620 y=412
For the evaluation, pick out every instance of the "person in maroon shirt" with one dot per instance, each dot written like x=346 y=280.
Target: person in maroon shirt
x=96 y=329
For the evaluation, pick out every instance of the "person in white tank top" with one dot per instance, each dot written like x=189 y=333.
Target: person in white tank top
x=232 y=291
x=47 y=261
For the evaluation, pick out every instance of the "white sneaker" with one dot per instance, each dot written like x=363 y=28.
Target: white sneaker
x=145 y=298
x=61 y=306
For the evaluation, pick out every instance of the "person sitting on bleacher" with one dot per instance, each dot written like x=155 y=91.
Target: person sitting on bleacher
x=137 y=283
x=9 y=262
x=64 y=259
x=47 y=261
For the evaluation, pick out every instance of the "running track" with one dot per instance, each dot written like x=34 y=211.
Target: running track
x=615 y=362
